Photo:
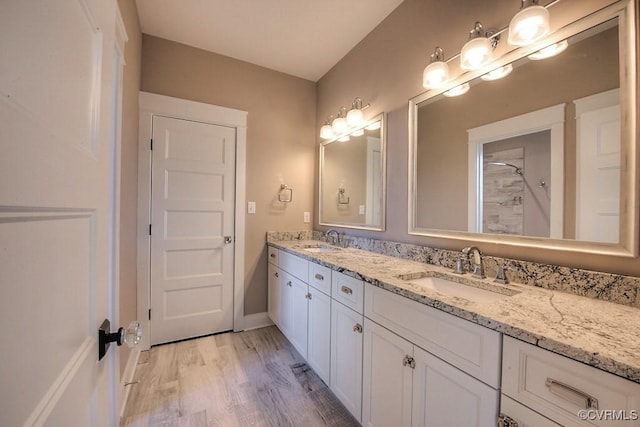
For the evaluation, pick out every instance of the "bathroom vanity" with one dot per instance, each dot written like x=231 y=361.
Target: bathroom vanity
x=401 y=342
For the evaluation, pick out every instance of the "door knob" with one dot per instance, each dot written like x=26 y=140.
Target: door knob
x=132 y=336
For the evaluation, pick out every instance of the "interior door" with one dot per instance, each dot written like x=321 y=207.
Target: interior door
x=192 y=225
x=56 y=122
x=598 y=183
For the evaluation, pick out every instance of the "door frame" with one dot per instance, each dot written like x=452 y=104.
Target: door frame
x=150 y=105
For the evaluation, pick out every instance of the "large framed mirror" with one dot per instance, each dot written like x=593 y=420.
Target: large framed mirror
x=546 y=156
x=352 y=178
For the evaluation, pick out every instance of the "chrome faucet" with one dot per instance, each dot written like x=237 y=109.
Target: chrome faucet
x=335 y=240
x=477 y=263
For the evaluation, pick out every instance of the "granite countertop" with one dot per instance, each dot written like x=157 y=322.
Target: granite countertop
x=598 y=333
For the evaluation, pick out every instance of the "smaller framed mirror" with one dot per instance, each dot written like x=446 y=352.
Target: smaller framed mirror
x=352 y=178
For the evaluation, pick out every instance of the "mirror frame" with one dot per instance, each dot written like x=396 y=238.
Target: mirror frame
x=383 y=197
x=627 y=246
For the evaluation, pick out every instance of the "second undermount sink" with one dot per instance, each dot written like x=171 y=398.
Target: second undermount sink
x=320 y=248
x=481 y=292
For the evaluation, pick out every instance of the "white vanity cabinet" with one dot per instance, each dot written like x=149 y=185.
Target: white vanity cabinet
x=405 y=385
x=565 y=391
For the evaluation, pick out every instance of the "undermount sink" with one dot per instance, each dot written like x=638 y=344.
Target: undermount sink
x=320 y=248
x=481 y=292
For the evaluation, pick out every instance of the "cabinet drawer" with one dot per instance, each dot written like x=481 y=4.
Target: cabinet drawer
x=272 y=255
x=348 y=290
x=320 y=277
x=524 y=416
x=467 y=346
x=560 y=388
x=296 y=266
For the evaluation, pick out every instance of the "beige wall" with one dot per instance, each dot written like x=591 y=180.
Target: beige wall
x=385 y=69
x=129 y=169
x=280 y=137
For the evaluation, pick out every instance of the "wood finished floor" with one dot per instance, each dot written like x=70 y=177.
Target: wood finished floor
x=252 y=378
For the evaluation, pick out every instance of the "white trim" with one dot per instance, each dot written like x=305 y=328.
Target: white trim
x=551 y=118
x=127 y=378
x=152 y=104
x=256 y=321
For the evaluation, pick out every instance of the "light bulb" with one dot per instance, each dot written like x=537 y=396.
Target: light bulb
x=326 y=132
x=498 y=73
x=458 y=90
x=549 y=51
x=339 y=125
x=358 y=132
x=373 y=126
x=435 y=75
x=476 y=53
x=344 y=138
x=528 y=25
x=355 y=117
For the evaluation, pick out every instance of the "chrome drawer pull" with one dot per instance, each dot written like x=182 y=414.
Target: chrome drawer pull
x=357 y=328
x=319 y=276
x=276 y=274
x=272 y=255
x=571 y=394
x=346 y=290
x=409 y=361
x=289 y=283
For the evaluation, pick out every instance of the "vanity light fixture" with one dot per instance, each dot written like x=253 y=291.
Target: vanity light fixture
x=345 y=122
x=549 y=51
x=437 y=72
x=457 y=91
x=326 y=132
x=498 y=73
x=478 y=51
x=529 y=25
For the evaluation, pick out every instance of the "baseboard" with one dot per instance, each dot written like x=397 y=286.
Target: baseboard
x=127 y=377
x=256 y=320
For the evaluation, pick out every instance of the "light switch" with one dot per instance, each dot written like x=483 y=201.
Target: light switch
x=307 y=217
x=251 y=207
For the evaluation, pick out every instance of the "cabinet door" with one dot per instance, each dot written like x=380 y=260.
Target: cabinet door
x=446 y=396
x=285 y=302
x=274 y=294
x=298 y=309
x=319 y=339
x=386 y=379
x=346 y=357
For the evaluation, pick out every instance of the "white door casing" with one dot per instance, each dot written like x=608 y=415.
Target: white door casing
x=192 y=208
x=57 y=128
x=152 y=105
x=598 y=167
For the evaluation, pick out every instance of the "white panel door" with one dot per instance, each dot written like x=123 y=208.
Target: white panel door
x=386 y=378
x=598 y=178
x=319 y=339
x=192 y=223
x=446 y=396
x=299 y=316
x=56 y=121
x=346 y=357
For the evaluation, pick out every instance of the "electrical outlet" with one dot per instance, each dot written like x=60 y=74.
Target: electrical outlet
x=362 y=211
x=251 y=207
x=307 y=217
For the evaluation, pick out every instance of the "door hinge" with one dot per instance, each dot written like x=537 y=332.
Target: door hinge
x=151 y=144
x=149 y=229
x=149 y=314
